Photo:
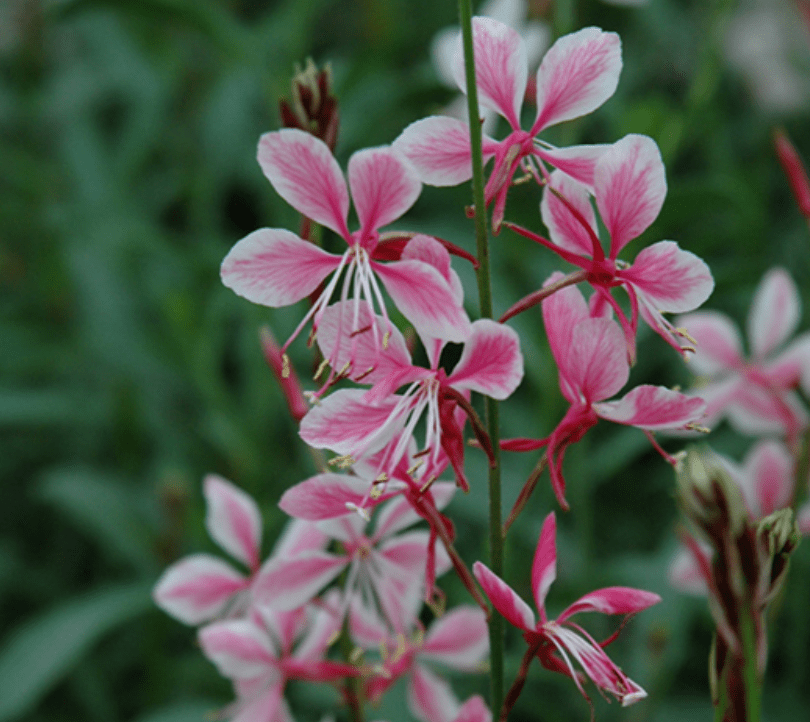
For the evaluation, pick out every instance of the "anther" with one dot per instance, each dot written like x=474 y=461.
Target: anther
x=285 y=366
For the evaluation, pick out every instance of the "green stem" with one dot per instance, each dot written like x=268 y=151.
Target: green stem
x=750 y=672
x=496 y=623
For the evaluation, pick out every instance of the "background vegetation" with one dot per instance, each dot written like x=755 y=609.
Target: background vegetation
x=127 y=171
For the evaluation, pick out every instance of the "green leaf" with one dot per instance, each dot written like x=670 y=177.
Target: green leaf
x=39 y=652
x=198 y=711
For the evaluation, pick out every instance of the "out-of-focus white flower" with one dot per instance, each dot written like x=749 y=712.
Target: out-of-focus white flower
x=768 y=41
x=535 y=34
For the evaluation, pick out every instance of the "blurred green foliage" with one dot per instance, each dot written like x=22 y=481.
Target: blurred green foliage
x=127 y=171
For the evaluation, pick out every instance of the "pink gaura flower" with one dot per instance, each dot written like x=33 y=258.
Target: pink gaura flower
x=263 y=651
x=756 y=394
x=274 y=267
x=629 y=187
x=591 y=356
x=357 y=423
x=557 y=642
x=578 y=73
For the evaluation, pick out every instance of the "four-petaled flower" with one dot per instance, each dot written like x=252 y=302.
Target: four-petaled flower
x=556 y=642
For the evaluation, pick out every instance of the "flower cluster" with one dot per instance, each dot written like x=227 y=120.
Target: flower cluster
x=350 y=566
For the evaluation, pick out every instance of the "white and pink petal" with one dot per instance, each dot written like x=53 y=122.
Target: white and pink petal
x=238 y=648
x=504 y=598
x=459 y=639
x=653 y=408
x=566 y=229
x=718 y=345
x=612 y=600
x=774 y=313
x=233 y=519
x=285 y=584
x=544 y=566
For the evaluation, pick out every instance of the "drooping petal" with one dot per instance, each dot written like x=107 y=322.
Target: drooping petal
x=491 y=362
x=439 y=149
x=630 y=185
x=285 y=584
x=326 y=496
x=718 y=347
x=504 y=599
x=197 y=588
x=458 y=639
x=672 y=280
x=597 y=359
x=653 y=408
x=612 y=600
x=577 y=161
x=233 y=519
x=774 y=313
x=544 y=567
x=578 y=73
x=564 y=228
x=274 y=267
x=768 y=479
x=304 y=173
x=425 y=298
x=383 y=184
x=344 y=423
x=430 y=698
x=500 y=67
x=238 y=648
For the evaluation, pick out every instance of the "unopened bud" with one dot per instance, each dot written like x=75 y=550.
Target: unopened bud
x=313 y=107
x=779 y=532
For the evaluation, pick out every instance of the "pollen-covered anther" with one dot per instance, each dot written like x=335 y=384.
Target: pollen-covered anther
x=427 y=484
x=685 y=334
x=402 y=647
x=386 y=339
x=360 y=510
x=321 y=367
x=333 y=637
x=342 y=462
x=356 y=655
x=698 y=427
x=418 y=465
x=285 y=366
x=344 y=370
x=311 y=338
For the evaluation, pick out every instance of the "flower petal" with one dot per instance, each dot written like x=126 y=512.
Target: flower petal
x=501 y=67
x=630 y=186
x=757 y=411
x=428 y=249
x=197 y=588
x=718 y=347
x=430 y=698
x=672 y=280
x=578 y=73
x=504 y=599
x=596 y=364
x=425 y=298
x=685 y=573
x=768 y=471
x=562 y=311
x=544 y=567
x=474 y=710
x=233 y=519
x=304 y=173
x=287 y=583
x=653 y=408
x=238 y=648
x=327 y=496
x=458 y=639
x=491 y=362
x=383 y=184
x=577 y=161
x=774 y=313
x=612 y=600
x=563 y=226
x=274 y=267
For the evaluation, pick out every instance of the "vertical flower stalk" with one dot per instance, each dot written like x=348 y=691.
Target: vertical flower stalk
x=496 y=622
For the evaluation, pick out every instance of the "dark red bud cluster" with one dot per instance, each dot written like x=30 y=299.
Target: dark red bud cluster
x=313 y=107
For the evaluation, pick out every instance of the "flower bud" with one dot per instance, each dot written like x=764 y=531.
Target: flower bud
x=313 y=107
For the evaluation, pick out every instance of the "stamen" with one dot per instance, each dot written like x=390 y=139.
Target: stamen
x=321 y=366
x=285 y=366
x=342 y=462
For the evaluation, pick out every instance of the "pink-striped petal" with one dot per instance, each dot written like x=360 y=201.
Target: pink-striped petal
x=233 y=519
x=430 y=698
x=501 y=67
x=718 y=347
x=685 y=573
x=774 y=313
x=327 y=496
x=564 y=227
x=491 y=362
x=653 y=408
x=578 y=73
x=274 y=267
x=304 y=173
x=344 y=423
x=671 y=280
x=803 y=518
x=369 y=355
x=791 y=367
x=425 y=298
x=197 y=588
x=266 y=704
x=288 y=583
x=238 y=648
x=577 y=161
x=428 y=249
x=544 y=567
x=597 y=359
x=474 y=710
x=299 y=536
x=439 y=150
x=630 y=186
x=383 y=184
x=459 y=639
x=756 y=411
x=562 y=312
x=504 y=599
x=612 y=600
x=768 y=480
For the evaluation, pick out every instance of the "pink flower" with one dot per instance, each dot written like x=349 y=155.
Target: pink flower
x=556 y=642
x=274 y=267
x=357 y=423
x=591 y=356
x=755 y=393
x=578 y=73
x=629 y=186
